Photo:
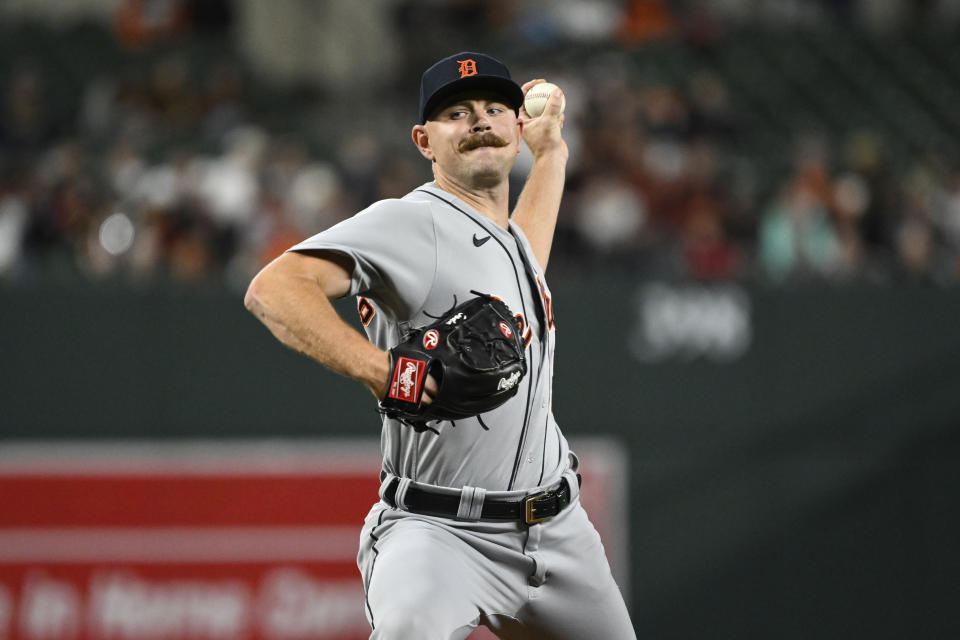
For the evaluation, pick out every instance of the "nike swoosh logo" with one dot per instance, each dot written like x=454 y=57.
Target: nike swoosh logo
x=478 y=242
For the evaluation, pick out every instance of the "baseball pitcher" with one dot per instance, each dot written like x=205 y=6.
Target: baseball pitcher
x=478 y=520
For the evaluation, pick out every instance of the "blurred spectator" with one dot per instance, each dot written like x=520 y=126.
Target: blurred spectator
x=797 y=239
x=646 y=19
x=23 y=118
x=547 y=22
x=708 y=252
x=947 y=212
x=915 y=249
x=851 y=197
x=711 y=113
x=610 y=217
x=14 y=214
x=928 y=241
x=140 y=23
x=224 y=107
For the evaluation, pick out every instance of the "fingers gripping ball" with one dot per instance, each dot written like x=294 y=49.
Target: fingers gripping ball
x=476 y=354
x=536 y=99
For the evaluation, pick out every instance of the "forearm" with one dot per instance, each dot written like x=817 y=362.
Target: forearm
x=539 y=203
x=298 y=312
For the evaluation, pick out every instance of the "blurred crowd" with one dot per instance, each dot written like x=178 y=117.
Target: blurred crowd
x=164 y=168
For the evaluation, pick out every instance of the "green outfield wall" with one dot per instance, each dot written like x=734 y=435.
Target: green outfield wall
x=795 y=455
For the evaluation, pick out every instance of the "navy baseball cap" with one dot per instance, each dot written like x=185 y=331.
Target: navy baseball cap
x=466 y=71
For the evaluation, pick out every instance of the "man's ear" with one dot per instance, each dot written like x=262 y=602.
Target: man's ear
x=519 y=133
x=422 y=140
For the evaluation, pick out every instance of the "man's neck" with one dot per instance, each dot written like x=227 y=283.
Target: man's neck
x=492 y=202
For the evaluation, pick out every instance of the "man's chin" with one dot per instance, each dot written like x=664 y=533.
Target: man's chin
x=489 y=174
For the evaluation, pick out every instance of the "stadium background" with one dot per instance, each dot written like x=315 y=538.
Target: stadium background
x=756 y=267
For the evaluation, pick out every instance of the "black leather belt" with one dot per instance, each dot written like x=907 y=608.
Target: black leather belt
x=531 y=509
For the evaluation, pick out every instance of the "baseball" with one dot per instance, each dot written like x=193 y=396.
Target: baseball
x=536 y=99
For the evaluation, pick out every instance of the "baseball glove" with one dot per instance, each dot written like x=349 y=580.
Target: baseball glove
x=474 y=352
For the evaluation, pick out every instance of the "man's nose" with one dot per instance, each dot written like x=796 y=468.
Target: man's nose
x=480 y=124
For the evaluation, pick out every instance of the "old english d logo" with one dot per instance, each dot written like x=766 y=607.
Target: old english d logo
x=468 y=67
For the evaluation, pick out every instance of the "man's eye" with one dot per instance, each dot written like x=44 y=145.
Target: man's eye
x=458 y=114
x=495 y=110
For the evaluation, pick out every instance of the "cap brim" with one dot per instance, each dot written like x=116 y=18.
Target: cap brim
x=508 y=89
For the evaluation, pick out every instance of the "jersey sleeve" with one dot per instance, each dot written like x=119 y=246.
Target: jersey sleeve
x=393 y=247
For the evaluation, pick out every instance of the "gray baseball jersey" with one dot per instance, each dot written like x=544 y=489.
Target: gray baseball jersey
x=415 y=258
x=437 y=578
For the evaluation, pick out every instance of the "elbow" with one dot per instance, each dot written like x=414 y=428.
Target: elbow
x=276 y=290
x=250 y=298
x=253 y=299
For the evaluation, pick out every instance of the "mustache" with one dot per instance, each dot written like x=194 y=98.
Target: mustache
x=483 y=140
